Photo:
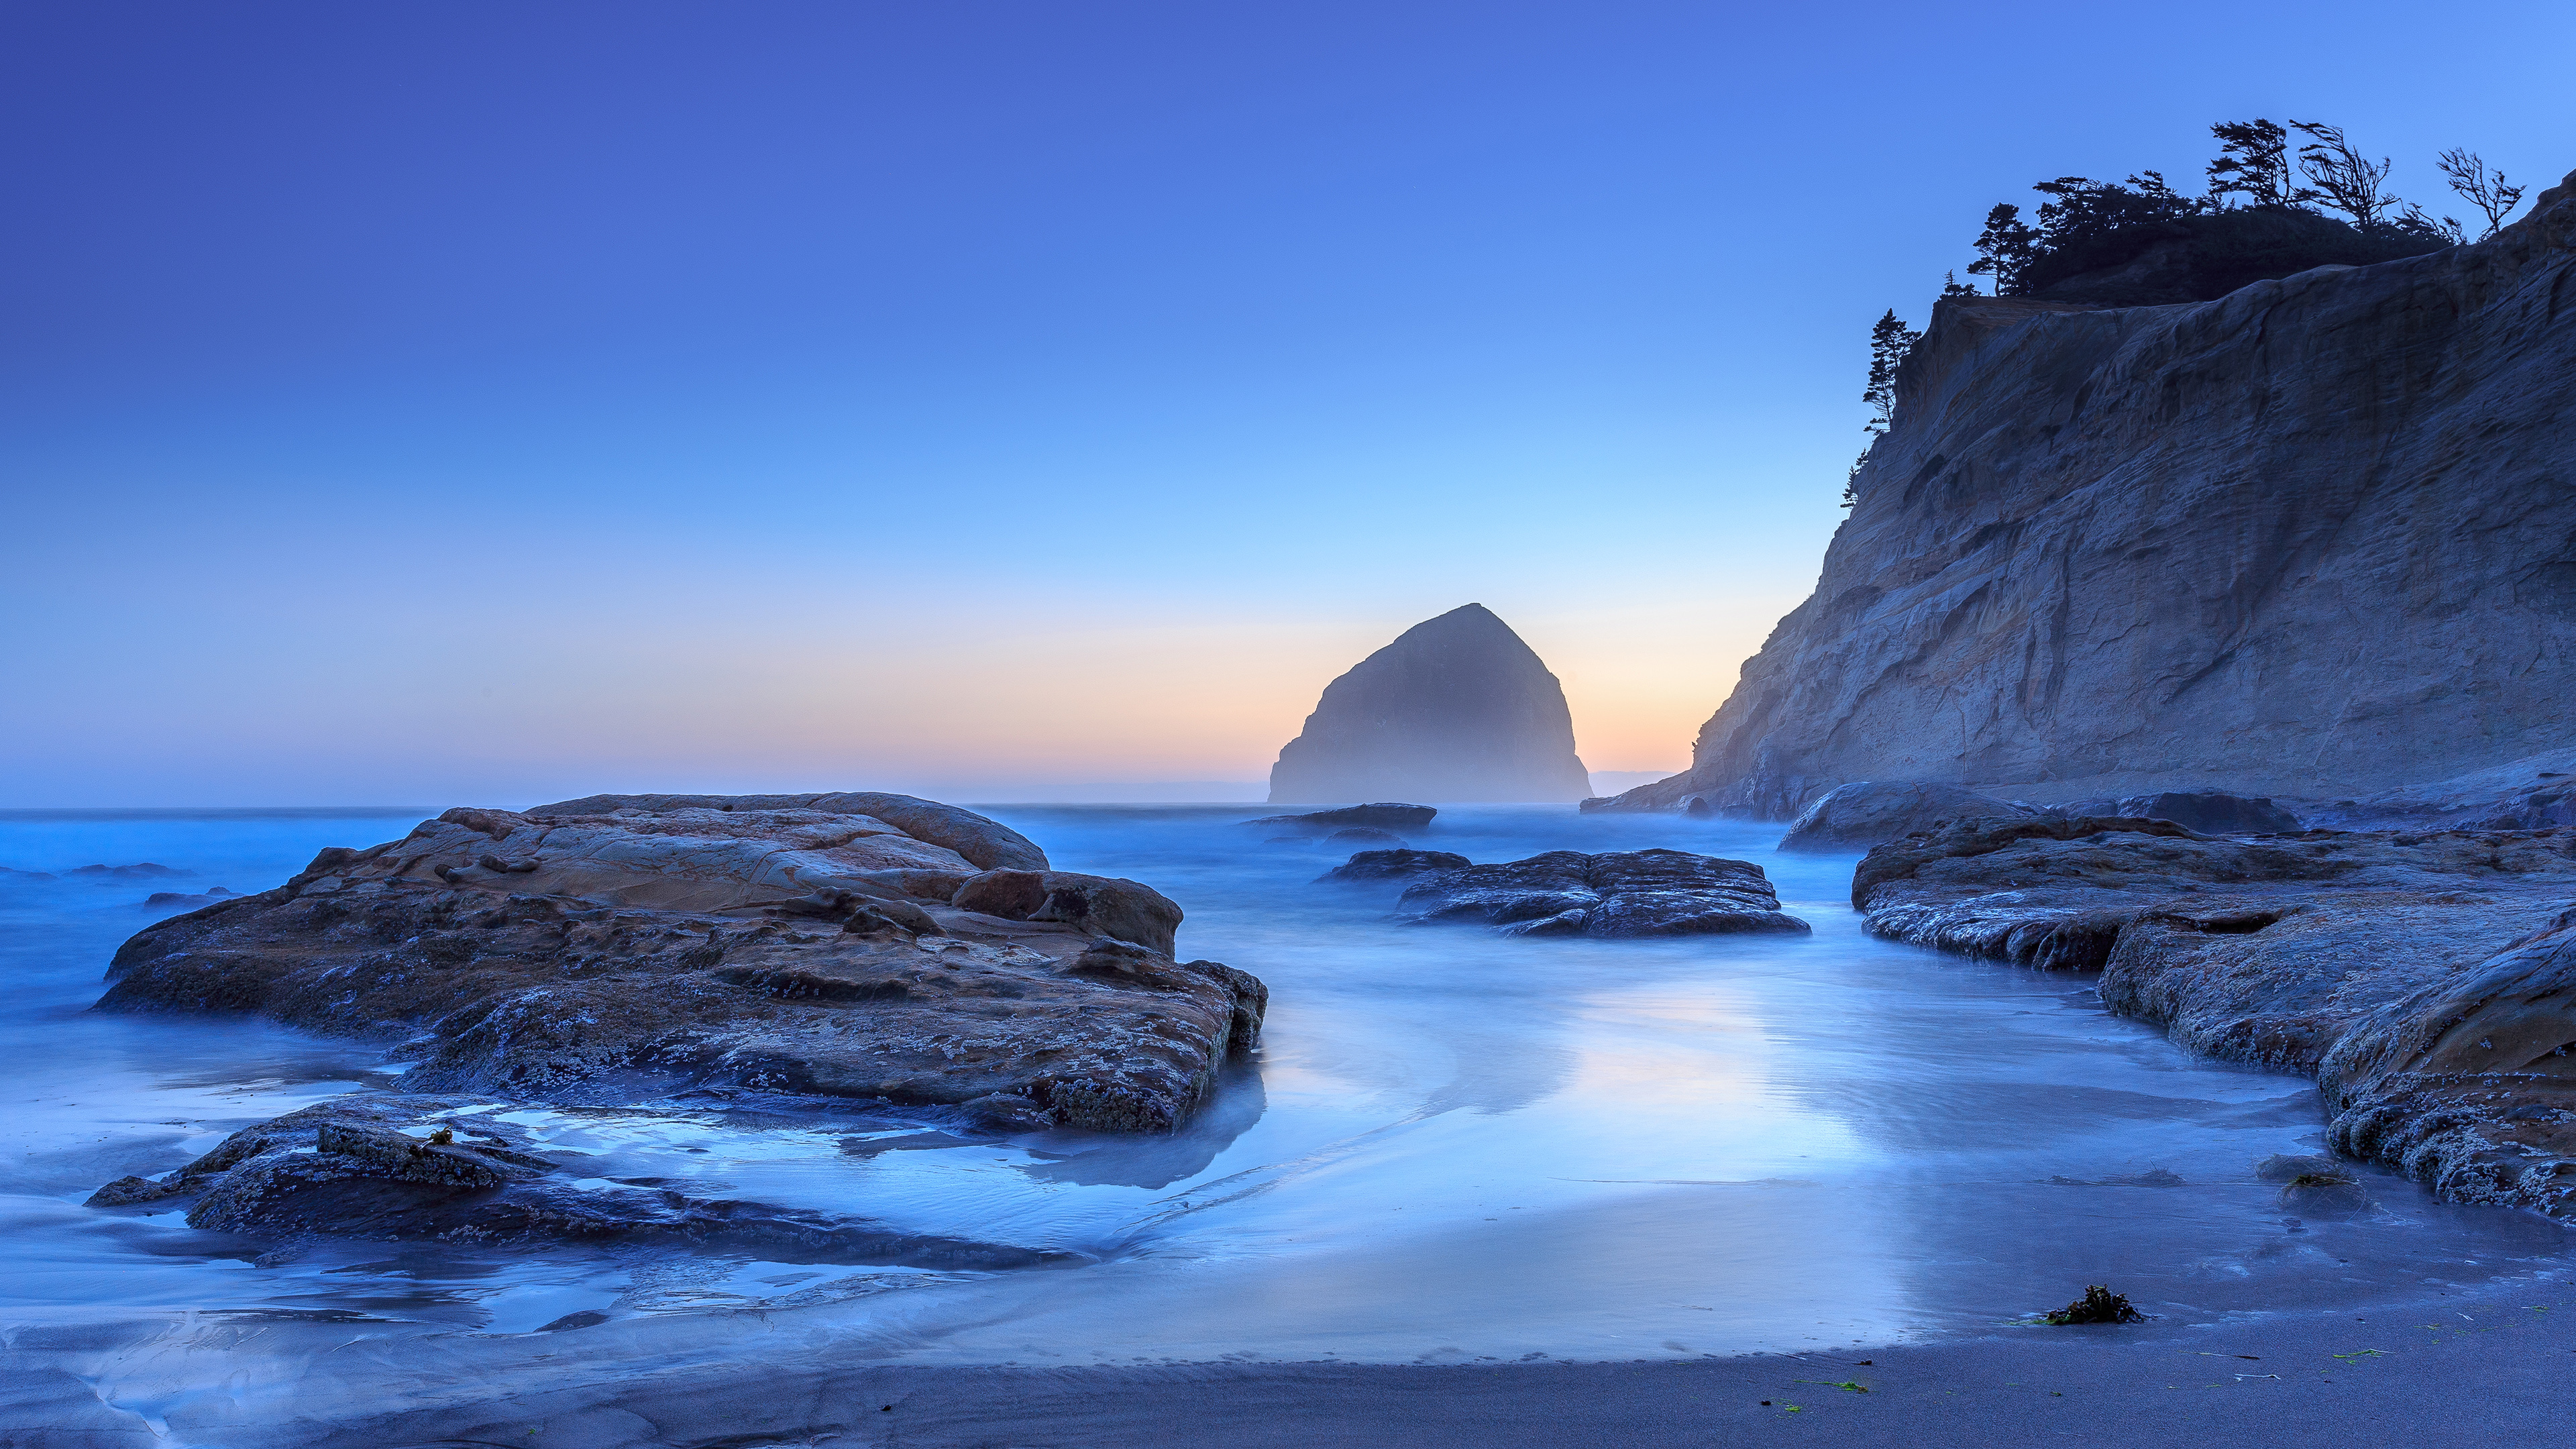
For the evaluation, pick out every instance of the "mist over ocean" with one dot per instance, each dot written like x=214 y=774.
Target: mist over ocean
x=1453 y=1146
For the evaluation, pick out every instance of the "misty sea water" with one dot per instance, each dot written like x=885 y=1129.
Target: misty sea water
x=1453 y=1146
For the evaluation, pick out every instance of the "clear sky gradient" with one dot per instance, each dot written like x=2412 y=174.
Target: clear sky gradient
x=491 y=402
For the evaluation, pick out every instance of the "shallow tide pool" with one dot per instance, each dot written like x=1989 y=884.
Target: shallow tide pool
x=1453 y=1145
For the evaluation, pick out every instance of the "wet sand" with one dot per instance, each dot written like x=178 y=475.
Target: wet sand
x=2489 y=1367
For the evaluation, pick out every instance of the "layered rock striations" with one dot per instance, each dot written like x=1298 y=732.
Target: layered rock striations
x=2315 y=539
x=1620 y=893
x=1456 y=709
x=2428 y=979
x=799 y=944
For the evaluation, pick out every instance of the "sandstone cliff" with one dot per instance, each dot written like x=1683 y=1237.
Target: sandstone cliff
x=2316 y=538
x=1457 y=708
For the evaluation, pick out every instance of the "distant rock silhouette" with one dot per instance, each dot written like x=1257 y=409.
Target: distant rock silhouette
x=1384 y=815
x=1457 y=708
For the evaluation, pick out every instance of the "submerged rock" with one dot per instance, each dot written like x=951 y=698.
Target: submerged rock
x=2428 y=978
x=1870 y=812
x=1370 y=865
x=1457 y=708
x=666 y=940
x=145 y=870
x=1618 y=893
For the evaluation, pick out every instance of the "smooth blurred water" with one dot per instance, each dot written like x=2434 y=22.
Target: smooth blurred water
x=1453 y=1145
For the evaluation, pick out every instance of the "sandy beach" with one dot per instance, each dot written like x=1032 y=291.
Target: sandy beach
x=2471 y=1368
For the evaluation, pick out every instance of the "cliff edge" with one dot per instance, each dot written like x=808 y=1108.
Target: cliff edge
x=2315 y=538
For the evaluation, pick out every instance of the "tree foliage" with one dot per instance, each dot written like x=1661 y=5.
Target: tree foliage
x=1889 y=341
x=2254 y=163
x=2266 y=209
x=2486 y=190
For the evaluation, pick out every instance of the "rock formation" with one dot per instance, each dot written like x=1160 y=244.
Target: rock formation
x=1617 y=893
x=2314 y=539
x=1456 y=709
x=1384 y=815
x=1870 y=812
x=1377 y=865
x=2211 y=813
x=794 y=943
x=401 y=1166
x=2427 y=978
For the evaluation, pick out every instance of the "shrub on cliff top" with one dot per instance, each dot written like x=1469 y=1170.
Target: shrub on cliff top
x=2139 y=241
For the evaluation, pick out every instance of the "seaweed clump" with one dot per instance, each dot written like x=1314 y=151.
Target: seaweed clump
x=2098 y=1305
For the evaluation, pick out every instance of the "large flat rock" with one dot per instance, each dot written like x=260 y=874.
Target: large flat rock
x=616 y=942
x=1625 y=893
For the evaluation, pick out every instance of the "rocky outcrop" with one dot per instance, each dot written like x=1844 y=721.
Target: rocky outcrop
x=2211 y=813
x=2537 y=792
x=2310 y=540
x=413 y=1166
x=1384 y=815
x=792 y=943
x=1618 y=893
x=1457 y=708
x=1870 y=812
x=1377 y=865
x=2427 y=978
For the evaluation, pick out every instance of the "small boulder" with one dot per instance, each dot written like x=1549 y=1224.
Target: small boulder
x=1391 y=864
x=2213 y=814
x=1124 y=910
x=1873 y=812
x=586 y=1318
x=127 y=1191
x=2283 y=1166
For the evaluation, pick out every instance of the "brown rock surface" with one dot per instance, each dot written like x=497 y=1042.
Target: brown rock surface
x=678 y=941
x=2427 y=978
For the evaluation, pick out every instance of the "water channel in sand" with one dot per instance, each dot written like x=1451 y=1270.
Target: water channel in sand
x=1453 y=1146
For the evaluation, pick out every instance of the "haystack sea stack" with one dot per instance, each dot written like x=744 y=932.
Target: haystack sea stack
x=2314 y=539
x=1457 y=708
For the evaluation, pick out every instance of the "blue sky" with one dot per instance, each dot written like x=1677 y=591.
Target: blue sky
x=493 y=402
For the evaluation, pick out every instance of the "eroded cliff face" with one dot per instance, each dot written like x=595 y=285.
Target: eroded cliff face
x=2316 y=538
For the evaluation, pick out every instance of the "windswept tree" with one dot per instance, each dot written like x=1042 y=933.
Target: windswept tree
x=2346 y=179
x=1951 y=286
x=2486 y=190
x=2254 y=163
x=2004 y=248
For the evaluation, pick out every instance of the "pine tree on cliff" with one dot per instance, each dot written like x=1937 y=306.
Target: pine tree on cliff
x=2254 y=163
x=1889 y=340
x=2004 y=248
